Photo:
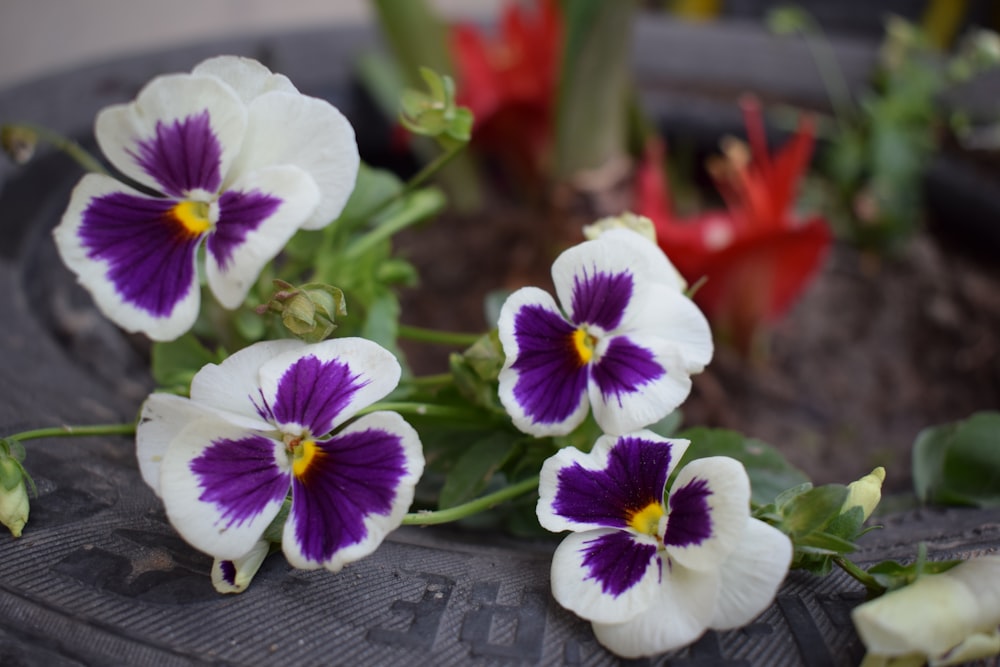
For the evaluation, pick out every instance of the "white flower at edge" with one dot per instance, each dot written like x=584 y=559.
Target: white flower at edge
x=240 y=161
x=941 y=619
x=622 y=341
x=653 y=574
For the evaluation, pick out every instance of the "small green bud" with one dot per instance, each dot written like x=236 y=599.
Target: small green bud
x=865 y=492
x=434 y=113
x=18 y=142
x=13 y=495
x=787 y=20
x=309 y=312
x=637 y=223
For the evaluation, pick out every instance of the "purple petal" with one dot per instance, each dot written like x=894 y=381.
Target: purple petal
x=552 y=379
x=150 y=252
x=184 y=156
x=690 y=518
x=240 y=477
x=239 y=214
x=313 y=393
x=633 y=480
x=624 y=368
x=350 y=477
x=616 y=561
x=601 y=299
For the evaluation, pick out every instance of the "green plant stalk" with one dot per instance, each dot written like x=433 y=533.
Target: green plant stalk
x=424 y=410
x=865 y=579
x=473 y=506
x=429 y=380
x=833 y=78
x=67 y=431
x=67 y=146
x=440 y=337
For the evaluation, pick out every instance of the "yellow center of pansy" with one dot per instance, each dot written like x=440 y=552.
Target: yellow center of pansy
x=303 y=454
x=647 y=520
x=193 y=216
x=584 y=344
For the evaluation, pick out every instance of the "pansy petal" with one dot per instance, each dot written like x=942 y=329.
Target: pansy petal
x=619 y=479
x=222 y=485
x=179 y=136
x=678 y=320
x=132 y=255
x=751 y=575
x=660 y=269
x=233 y=576
x=246 y=76
x=309 y=133
x=316 y=388
x=677 y=616
x=351 y=491
x=543 y=383
x=257 y=216
x=638 y=380
x=708 y=511
x=596 y=282
x=606 y=575
x=234 y=385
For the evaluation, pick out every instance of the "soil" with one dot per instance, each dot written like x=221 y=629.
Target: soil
x=873 y=352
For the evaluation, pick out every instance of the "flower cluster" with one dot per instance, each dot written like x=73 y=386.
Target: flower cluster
x=231 y=158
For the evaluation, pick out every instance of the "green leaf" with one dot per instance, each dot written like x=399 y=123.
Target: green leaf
x=811 y=511
x=176 y=362
x=893 y=575
x=474 y=468
x=770 y=474
x=959 y=463
x=274 y=529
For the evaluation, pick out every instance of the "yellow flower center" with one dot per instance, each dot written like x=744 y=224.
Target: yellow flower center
x=193 y=216
x=303 y=454
x=647 y=520
x=584 y=344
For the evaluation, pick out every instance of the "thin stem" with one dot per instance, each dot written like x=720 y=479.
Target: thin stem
x=866 y=580
x=473 y=506
x=424 y=410
x=429 y=380
x=74 y=431
x=440 y=337
x=429 y=170
x=829 y=71
x=71 y=148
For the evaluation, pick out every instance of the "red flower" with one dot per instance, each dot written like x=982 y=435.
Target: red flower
x=757 y=256
x=509 y=82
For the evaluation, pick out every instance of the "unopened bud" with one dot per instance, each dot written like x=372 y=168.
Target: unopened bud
x=18 y=142
x=13 y=495
x=637 y=223
x=865 y=492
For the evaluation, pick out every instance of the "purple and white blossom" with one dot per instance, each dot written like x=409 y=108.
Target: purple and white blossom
x=623 y=340
x=652 y=571
x=239 y=161
x=273 y=419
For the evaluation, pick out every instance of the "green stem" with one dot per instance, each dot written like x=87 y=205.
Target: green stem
x=429 y=380
x=425 y=410
x=429 y=170
x=829 y=71
x=866 y=580
x=473 y=506
x=71 y=148
x=74 y=431
x=439 y=337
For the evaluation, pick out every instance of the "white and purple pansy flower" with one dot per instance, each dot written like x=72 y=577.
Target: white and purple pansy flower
x=624 y=342
x=239 y=161
x=653 y=572
x=270 y=420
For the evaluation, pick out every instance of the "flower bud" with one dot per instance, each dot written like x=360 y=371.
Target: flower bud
x=435 y=114
x=234 y=576
x=309 y=312
x=637 y=223
x=13 y=495
x=865 y=492
x=18 y=142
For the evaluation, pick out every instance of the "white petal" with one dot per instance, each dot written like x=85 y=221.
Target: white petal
x=751 y=575
x=678 y=320
x=309 y=133
x=653 y=384
x=165 y=100
x=246 y=76
x=708 y=510
x=163 y=416
x=222 y=485
x=370 y=373
x=94 y=273
x=606 y=575
x=661 y=269
x=375 y=524
x=677 y=616
x=234 y=576
x=232 y=274
x=233 y=386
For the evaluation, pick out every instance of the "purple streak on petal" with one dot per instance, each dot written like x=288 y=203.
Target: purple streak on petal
x=351 y=477
x=616 y=561
x=263 y=408
x=625 y=368
x=150 y=254
x=601 y=298
x=689 y=522
x=184 y=155
x=633 y=478
x=239 y=214
x=313 y=393
x=240 y=477
x=228 y=570
x=551 y=379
